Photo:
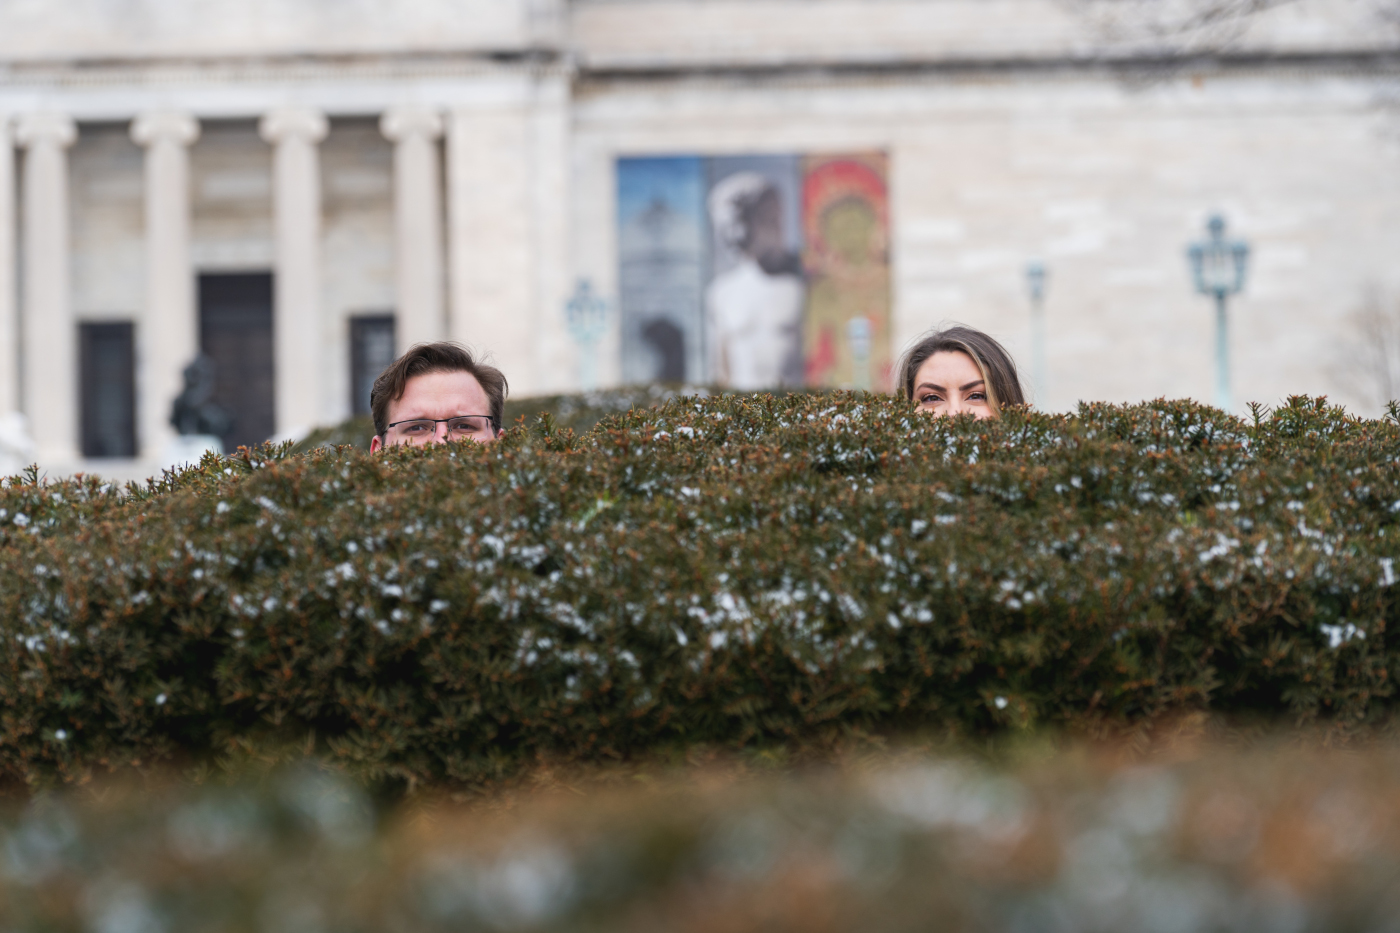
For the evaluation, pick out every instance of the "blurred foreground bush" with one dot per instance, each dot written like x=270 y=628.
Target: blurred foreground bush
x=732 y=571
x=1276 y=841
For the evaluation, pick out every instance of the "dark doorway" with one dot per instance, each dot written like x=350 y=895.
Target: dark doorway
x=108 y=364
x=371 y=352
x=235 y=332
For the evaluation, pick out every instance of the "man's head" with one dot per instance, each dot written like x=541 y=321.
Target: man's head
x=439 y=383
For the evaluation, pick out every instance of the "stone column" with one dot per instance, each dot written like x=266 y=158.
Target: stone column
x=489 y=227
x=50 y=340
x=296 y=209
x=9 y=319
x=169 y=334
x=414 y=131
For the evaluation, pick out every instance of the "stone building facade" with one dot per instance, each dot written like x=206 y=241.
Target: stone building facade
x=297 y=188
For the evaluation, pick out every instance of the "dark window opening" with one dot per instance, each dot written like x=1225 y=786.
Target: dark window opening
x=235 y=332
x=371 y=352
x=107 y=354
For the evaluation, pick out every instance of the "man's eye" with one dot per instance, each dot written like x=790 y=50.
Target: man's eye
x=415 y=428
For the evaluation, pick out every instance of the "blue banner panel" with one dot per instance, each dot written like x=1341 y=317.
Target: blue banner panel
x=662 y=264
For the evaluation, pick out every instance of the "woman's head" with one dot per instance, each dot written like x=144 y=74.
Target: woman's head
x=959 y=370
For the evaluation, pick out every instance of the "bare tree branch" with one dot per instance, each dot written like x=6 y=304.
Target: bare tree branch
x=1368 y=363
x=1387 y=12
x=1170 y=27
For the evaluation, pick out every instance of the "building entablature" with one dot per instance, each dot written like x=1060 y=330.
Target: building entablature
x=169 y=42
x=135 y=31
x=247 y=90
x=657 y=35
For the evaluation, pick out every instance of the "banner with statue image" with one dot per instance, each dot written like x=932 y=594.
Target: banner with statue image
x=755 y=272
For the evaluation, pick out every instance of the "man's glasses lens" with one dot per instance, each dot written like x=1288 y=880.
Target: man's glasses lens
x=468 y=426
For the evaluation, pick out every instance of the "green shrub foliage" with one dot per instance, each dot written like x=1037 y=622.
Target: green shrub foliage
x=727 y=570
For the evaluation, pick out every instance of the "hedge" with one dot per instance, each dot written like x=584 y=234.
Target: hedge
x=1259 y=842
x=732 y=571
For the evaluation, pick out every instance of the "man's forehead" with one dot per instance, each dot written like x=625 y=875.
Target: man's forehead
x=443 y=377
x=437 y=389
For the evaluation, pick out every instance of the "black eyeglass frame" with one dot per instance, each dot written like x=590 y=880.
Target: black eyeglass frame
x=495 y=425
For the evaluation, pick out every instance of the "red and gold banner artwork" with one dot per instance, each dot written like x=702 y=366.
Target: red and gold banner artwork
x=845 y=223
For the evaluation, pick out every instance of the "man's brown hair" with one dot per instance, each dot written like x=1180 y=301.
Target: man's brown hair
x=441 y=357
x=991 y=359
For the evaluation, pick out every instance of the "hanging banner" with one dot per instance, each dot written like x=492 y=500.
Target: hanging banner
x=755 y=272
x=662 y=236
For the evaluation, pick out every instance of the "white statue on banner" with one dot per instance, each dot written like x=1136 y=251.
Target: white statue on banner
x=754 y=309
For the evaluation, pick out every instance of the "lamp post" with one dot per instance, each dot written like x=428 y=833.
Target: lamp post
x=858 y=335
x=1218 y=266
x=586 y=314
x=1036 y=276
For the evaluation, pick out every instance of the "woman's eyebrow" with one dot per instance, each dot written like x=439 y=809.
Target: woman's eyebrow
x=971 y=385
x=930 y=385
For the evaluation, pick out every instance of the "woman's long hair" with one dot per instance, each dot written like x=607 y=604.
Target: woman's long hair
x=991 y=359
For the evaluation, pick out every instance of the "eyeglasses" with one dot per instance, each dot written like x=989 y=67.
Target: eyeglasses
x=462 y=427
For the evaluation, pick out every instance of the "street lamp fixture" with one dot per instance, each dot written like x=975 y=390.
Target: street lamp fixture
x=859 y=332
x=1219 y=265
x=586 y=314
